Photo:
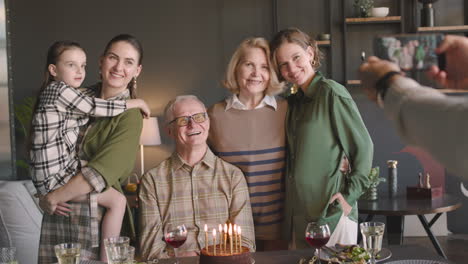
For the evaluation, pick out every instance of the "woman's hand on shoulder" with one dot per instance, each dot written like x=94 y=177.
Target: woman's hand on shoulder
x=139 y=103
x=344 y=204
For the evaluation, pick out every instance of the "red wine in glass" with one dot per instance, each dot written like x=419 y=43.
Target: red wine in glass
x=176 y=242
x=317 y=242
x=317 y=235
x=175 y=236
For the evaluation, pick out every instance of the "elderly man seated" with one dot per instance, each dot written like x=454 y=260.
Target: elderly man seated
x=192 y=187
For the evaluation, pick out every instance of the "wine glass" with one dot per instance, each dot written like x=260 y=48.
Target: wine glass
x=175 y=235
x=317 y=235
x=372 y=234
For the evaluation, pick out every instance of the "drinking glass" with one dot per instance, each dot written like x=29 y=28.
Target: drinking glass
x=317 y=235
x=117 y=249
x=8 y=255
x=68 y=253
x=175 y=235
x=372 y=234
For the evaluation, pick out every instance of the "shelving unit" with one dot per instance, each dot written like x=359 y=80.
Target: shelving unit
x=371 y=20
x=366 y=21
x=323 y=43
x=443 y=29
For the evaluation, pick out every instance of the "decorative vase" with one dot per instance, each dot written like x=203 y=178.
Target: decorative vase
x=371 y=193
x=427 y=13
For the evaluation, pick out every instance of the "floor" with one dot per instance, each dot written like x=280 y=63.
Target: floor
x=455 y=246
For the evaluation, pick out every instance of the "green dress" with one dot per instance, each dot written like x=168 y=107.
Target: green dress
x=323 y=126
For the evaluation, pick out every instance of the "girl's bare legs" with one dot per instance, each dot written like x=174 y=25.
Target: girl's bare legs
x=115 y=204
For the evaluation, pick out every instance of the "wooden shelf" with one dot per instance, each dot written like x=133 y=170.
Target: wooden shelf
x=353 y=82
x=322 y=43
x=461 y=28
x=372 y=20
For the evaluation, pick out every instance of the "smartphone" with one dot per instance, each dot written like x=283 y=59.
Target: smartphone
x=410 y=51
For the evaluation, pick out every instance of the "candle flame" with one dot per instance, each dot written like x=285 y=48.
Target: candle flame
x=206 y=228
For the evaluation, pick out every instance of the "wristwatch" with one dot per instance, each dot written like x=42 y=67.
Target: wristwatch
x=382 y=86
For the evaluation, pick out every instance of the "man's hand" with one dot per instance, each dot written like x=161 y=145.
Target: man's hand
x=371 y=71
x=454 y=76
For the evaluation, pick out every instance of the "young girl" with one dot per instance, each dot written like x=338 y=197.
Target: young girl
x=59 y=113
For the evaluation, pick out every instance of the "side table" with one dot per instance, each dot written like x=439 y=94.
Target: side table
x=397 y=208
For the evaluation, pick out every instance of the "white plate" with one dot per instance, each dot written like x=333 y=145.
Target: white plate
x=385 y=253
x=416 y=261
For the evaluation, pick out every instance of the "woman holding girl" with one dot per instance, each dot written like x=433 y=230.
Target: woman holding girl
x=109 y=149
x=247 y=130
x=323 y=128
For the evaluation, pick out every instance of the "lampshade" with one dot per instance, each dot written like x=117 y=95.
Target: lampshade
x=150 y=134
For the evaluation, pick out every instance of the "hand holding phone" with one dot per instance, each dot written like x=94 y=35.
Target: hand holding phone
x=410 y=51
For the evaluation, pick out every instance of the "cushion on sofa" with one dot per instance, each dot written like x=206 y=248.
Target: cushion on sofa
x=22 y=218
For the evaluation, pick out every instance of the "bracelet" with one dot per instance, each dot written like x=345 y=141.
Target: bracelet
x=382 y=84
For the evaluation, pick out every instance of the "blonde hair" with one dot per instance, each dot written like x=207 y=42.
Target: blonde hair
x=295 y=35
x=230 y=80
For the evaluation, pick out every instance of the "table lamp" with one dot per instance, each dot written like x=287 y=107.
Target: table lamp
x=149 y=137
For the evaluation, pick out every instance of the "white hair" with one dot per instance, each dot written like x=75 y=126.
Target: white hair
x=169 y=109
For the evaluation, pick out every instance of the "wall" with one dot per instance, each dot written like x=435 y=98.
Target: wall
x=187 y=46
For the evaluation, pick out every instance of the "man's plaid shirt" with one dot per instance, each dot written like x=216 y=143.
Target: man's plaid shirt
x=55 y=127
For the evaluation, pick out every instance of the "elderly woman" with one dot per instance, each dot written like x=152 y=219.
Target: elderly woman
x=323 y=127
x=247 y=130
x=109 y=148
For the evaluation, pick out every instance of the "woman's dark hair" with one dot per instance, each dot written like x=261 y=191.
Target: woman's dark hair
x=137 y=45
x=294 y=35
x=53 y=54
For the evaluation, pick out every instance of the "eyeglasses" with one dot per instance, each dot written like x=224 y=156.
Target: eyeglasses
x=184 y=120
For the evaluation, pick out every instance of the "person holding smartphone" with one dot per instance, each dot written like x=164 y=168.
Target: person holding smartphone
x=423 y=116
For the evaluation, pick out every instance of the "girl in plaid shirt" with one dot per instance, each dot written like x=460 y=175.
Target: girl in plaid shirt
x=59 y=113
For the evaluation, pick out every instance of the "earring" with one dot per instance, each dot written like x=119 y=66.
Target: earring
x=134 y=83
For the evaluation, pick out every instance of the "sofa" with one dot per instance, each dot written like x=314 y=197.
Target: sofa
x=20 y=219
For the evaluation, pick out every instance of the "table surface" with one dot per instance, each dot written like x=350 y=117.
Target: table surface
x=293 y=256
x=400 y=206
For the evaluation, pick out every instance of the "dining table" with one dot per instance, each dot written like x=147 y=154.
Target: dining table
x=407 y=252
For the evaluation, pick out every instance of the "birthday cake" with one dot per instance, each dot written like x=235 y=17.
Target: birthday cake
x=222 y=256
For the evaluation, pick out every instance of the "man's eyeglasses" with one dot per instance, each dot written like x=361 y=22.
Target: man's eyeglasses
x=184 y=120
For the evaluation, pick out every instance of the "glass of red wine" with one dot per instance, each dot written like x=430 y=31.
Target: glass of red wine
x=175 y=235
x=317 y=235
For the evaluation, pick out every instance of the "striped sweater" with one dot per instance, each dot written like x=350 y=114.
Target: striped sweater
x=254 y=140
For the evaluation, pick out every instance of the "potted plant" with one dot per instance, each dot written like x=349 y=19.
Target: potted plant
x=375 y=179
x=363 y=7
x=23 y=114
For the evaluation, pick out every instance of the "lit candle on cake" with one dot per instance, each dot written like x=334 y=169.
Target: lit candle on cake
x=214 y=241
x=234 y=232
x=240 y=238
x=230 y=236
x=220 y=236
x=225 y=236
x=206 y=237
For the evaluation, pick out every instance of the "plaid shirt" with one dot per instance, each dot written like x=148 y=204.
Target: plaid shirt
x=60 y=113
x=83 y=224
x=212 y=192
